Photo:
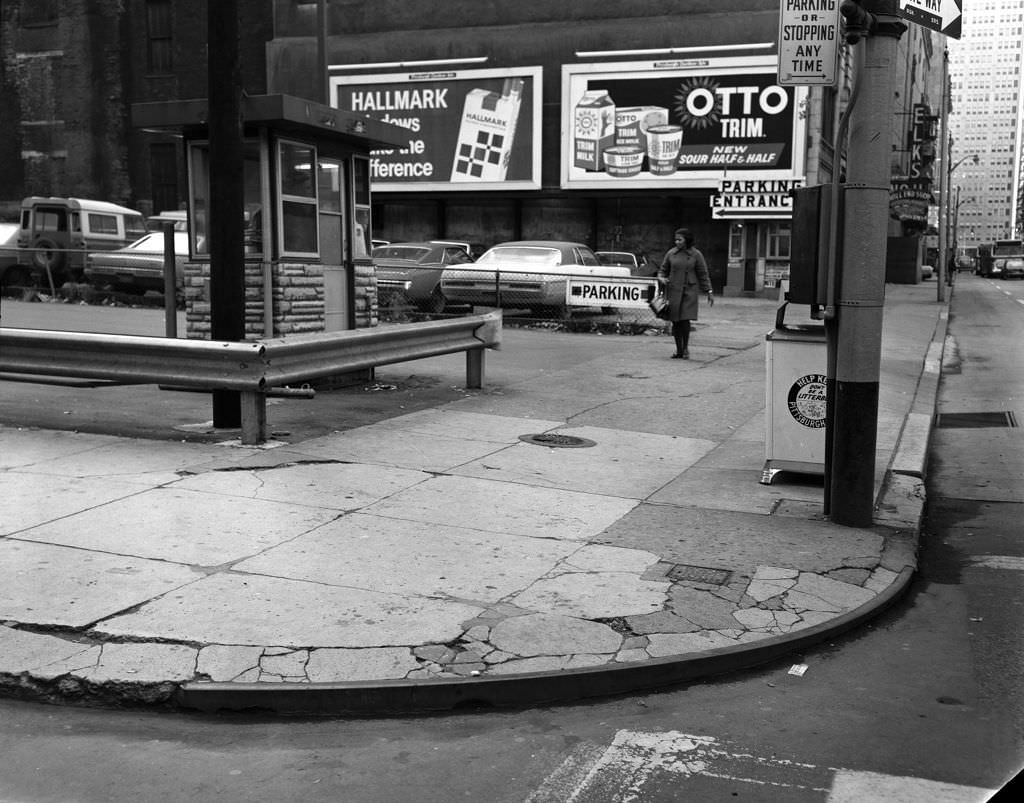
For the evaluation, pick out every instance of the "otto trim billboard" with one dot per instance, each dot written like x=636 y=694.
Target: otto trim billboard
x=679 y=123
x=468 y=129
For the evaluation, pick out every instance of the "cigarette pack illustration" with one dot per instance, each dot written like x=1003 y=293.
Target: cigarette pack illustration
x=486 y=133
x=594 y=129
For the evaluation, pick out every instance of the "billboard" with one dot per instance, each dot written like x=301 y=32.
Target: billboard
x=468 y=129
x=679 y=123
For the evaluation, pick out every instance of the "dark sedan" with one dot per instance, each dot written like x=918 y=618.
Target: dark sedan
x=139 y=266
x=413 y=271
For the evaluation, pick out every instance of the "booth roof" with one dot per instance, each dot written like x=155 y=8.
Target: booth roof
x=283 y=113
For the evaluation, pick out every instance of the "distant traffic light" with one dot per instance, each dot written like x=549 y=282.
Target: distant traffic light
x=857 y=21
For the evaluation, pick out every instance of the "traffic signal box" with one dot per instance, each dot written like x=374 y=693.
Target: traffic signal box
x=815 y=245
x=858 y=22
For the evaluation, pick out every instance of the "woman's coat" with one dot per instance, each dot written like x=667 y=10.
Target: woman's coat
x=687 y=278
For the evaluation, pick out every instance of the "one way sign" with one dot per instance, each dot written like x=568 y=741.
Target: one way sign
x=943 y=16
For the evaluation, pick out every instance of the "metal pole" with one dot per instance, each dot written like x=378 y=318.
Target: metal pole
x=944 y=179
x=862 y=281
x=323 y=84
x=170 y=283
x=954 y=247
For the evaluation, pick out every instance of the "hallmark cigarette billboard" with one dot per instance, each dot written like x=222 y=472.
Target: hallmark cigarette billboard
x=468 y=129
x=679 y=123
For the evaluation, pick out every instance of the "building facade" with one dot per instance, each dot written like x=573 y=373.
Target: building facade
x=987 y=103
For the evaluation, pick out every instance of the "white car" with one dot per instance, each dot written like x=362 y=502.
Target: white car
x=139 y=266
x=525 y=274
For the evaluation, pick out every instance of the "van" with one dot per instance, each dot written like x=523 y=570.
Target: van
x=55 y=234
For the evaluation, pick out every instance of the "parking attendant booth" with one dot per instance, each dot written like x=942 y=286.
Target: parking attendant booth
x=306 y=183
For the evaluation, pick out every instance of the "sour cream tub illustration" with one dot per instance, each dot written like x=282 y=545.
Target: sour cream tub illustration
x=663 y=145
x=623 y=161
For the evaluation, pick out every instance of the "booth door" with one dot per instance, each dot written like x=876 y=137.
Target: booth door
x=337 y=295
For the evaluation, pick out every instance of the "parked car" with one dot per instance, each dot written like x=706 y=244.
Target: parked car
x=139 y=266
x=56 y=233
x=414 y=270
x=1012 y=268
x=531 y=274
x=638 y=264
x=11 y=273
x=927 y=271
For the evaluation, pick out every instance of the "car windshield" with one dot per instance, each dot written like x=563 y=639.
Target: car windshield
x=400 y=252
x=519 y=253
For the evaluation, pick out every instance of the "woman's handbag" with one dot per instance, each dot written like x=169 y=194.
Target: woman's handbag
x=659 y=305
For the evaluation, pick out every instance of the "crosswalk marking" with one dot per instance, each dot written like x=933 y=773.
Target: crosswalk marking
x=863 y=787
x=1011 y=562
x=639 y=761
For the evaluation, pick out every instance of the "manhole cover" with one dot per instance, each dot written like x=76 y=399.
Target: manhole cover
x=1003 y=418
x=700 y=574
x=557 y=441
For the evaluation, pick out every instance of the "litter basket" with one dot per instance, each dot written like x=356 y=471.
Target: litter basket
x=795 y=391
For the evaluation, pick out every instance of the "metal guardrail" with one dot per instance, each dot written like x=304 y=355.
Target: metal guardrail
x=251 y=368
x=133 y=359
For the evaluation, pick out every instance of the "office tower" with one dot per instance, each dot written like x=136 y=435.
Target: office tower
x=985 y=120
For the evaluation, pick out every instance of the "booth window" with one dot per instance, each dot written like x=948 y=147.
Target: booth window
x=297 y=212
x=199 y=197
x=361 y=208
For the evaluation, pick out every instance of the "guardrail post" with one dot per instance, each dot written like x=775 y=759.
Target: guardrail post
x=475 y=368
x=254 y=417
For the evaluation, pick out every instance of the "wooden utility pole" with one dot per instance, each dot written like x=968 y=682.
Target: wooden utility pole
x=227 y=206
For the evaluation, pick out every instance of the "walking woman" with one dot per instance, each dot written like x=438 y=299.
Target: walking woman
x=684 y=277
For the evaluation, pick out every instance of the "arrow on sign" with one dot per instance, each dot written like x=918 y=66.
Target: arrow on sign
x=944 y=16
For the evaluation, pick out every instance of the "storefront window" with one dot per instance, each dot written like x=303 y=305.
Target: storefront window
x=298 y=202
x=735 y=240
x=778 y=240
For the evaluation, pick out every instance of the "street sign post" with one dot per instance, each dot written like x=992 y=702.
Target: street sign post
x=808 y=42
x=944 y=16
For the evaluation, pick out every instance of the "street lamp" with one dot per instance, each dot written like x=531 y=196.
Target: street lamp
x=956 y=222
x=943 y=269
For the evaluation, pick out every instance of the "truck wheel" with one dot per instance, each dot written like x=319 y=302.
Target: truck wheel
x=46 y=255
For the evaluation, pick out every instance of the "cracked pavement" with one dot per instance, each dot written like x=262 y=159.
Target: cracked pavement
x=436 y=545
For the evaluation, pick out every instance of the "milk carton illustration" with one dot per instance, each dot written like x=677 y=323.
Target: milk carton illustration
x=486 y=133
x=593 y=130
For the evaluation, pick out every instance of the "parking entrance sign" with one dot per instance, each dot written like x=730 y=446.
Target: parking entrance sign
x=808 y=42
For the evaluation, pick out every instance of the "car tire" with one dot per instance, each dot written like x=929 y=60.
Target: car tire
x=436 y=304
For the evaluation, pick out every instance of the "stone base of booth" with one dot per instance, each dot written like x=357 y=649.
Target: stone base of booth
x=297 y=291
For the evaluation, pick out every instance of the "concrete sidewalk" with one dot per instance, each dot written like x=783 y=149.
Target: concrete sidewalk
x=434 y=559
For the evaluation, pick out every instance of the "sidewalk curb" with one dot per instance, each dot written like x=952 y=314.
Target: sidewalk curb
x=399 y=697
x=902 y=499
